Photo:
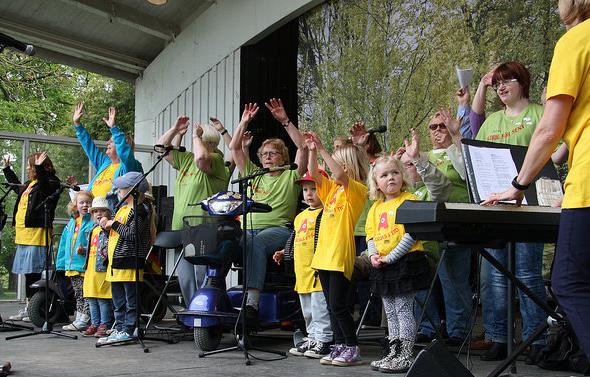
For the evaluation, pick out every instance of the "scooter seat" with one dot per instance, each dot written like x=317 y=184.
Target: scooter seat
x=169 y=240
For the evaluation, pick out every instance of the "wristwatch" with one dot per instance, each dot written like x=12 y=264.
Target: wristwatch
x=518 y=186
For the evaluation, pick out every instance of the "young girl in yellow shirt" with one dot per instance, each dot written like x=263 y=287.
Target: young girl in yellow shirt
x=399 y=263
x=344 y=197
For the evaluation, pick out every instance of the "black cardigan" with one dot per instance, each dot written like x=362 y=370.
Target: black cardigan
x=47 y=184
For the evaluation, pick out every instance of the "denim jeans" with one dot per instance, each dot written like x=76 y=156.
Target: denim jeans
x=454 y=278
x=571 y=278
x=101 y=311
x=262 y=244
x=316 y=316
x=528 y=268
x=190 y=276
x=125 y=303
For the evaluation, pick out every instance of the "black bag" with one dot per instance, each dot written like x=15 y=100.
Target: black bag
x=561 y=351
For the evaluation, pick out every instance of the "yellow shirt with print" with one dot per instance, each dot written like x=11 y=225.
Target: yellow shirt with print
x=24 y=235
x=76 y=231
x=303 y=245
x=120 y=274
x=103 y=183
x=95 y=284
x=382 y=228
x=335 y=249
x=570 y=75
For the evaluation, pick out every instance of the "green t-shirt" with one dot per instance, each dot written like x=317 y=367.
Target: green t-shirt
x=518 y=130
x=359 y=229
x=280 y=192
x=194 y=185
x=441 y=160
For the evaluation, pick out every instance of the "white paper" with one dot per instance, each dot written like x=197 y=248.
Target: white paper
x=494 y=170
x=72 y=193
x=465 y=76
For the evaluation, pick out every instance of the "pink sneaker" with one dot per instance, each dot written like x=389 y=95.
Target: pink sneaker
x=349 y=356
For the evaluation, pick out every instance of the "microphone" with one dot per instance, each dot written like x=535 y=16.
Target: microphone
x=6 y=41
x=291 y=166
x=71 y=187
x=377 y=130
x=160 y=148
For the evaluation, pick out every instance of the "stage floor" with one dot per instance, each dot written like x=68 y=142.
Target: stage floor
x=48 y=355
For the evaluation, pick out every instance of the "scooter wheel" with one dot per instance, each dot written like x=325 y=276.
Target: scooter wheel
x=207 y=338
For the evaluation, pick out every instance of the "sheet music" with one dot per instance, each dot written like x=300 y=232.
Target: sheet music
x=494 y=170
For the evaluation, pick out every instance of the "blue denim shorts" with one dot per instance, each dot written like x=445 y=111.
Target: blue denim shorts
x=29 y=259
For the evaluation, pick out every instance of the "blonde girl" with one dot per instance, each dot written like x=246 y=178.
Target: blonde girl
x=399 y=263
x=71 y=255
x=344 y=196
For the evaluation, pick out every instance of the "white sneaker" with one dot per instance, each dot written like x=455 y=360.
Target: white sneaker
x=22 y=313
x=82 y=322
x=71 y=327
x=26 y=319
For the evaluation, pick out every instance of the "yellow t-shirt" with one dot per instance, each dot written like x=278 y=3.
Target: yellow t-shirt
x=335 y=249
x=570 y=75
x=303 y=246
x=382 y=228
x=27 y=236
x=76 y=231
x=95 y=284
x=117 y=274
x=103 y=184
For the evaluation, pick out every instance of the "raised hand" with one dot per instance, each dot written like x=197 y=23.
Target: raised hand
x=313 y=141
x=110 y=121
x=247 y=138
x=359 y=134
x=7 y=161
x=412 y=148
x=72 y=181
x=216 y=123
x=463 y=96
x=250 y=111
x=487 y=78
x=276 y=108
x=398 y=154
x=40 y=158
x=197 y=130
x=181 y=124
x=453 y=124
x=78 y=113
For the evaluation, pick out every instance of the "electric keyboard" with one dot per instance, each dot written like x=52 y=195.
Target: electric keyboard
x=473 y=224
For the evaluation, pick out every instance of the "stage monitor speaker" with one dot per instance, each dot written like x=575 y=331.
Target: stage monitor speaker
x=436 y=361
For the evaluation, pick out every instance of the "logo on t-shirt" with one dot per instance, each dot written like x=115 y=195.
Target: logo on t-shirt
x=383 y=223
x=303 y=227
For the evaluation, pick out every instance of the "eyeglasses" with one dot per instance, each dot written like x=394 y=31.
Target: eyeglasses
x=440 y=126
x=503 y=82
x=270 y=154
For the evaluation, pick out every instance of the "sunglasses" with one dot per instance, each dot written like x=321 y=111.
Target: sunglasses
x=439 y=126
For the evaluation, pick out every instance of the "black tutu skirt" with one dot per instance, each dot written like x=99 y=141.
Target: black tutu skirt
x=409 y=274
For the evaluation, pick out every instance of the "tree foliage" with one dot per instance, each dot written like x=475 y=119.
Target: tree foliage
x=392 y=62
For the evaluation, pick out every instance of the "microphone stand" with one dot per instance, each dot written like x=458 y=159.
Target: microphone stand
x=242 y=344
x=47 y=326
x=138 y=334
x=5 y=326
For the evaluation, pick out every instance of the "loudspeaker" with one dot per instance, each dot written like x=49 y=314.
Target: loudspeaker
x=436 y=361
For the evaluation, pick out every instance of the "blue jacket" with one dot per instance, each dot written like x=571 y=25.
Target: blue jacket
x=100 y=160
x=67 y=258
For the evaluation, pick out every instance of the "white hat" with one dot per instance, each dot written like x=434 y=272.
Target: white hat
x=100 y=202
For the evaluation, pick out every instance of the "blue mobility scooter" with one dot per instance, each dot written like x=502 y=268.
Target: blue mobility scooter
x=216 y=243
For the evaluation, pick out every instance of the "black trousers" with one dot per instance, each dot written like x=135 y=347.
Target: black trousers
x=337 y=289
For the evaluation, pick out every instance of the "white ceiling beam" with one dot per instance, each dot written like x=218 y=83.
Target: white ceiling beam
x=64 y=45
x=124 y=15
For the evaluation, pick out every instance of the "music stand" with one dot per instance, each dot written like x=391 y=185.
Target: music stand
x=242 y=344
x=47 y=326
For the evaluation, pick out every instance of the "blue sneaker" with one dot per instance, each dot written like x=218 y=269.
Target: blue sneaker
x=112 y=336
x=121 y=336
